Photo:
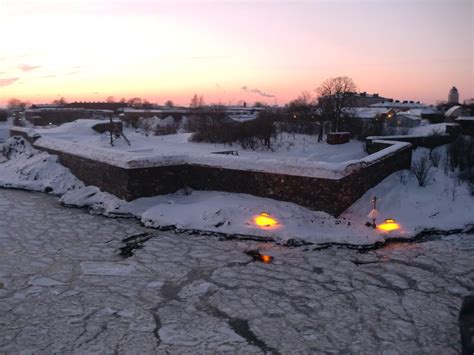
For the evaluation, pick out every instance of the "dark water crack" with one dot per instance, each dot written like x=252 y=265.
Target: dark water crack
x=133 y=243
x=240 y=327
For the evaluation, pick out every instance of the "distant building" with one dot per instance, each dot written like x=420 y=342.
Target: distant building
x=58 y=116
x=403 y=120
x=453 y=96
x=242 y=113
x=112 y=106
x=431 y=114
x=364 y=99
x=400 y=105
x=368 y=113
x=455 y=112
x=467 y=124
x=469 y=102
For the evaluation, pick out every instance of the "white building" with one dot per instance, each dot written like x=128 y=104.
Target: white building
x=453 y=96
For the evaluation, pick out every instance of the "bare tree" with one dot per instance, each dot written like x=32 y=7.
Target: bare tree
x=169 y=103
x=60 y=102
x=197 y=101
x=301 y=107
x=136 y=102
x=301 y=115
x=146 y=125
x=435 y=157
x=421 y=170
x=334 y=95
x=110 y=99
x=16 y=104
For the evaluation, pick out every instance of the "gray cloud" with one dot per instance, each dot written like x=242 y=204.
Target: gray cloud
x=8 y=81
x=256 y=91
x=27 y=67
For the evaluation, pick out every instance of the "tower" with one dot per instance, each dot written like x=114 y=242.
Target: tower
x=453 y=97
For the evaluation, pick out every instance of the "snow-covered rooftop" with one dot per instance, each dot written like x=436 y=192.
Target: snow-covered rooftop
x=390 y=104
x=366 y=112
x=409 y=116
x=451 y=111
x=422 y=111
x=465 y=118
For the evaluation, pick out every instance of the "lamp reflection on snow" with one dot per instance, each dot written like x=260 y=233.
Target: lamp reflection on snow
x=265 y=221
x=388 y=225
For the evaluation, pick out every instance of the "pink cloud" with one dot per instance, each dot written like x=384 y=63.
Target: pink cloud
x=7 y=81
x=27 y=67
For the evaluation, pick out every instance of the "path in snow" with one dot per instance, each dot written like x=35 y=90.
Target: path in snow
x=64 y=288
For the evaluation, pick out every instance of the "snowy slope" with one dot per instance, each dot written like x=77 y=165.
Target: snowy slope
x=445 y=203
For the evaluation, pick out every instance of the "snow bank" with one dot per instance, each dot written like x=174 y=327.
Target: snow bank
x=428 y=129
x=445 y=203
x=26 y=168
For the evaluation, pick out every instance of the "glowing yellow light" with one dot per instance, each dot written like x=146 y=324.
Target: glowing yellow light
x=265 y=221
x=388 y=225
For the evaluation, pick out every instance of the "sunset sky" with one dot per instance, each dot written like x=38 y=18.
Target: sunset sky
x=230 y=51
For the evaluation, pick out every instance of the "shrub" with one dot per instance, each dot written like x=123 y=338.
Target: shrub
x=435 y=157
x=436 y=132
x=213 y=126
x=461 y=156
x=421 y=169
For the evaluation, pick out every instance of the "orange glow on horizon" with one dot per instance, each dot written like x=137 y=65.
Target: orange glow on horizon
x=160 y=50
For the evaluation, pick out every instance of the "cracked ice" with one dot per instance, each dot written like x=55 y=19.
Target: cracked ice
x=64 y=288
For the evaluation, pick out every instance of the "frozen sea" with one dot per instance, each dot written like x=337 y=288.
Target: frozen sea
x=65 y=289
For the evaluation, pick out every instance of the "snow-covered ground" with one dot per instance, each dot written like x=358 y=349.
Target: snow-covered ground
x=65 y=290
x=443 y=204
x=286 y=145
x=294 y=155
x=427 y=129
